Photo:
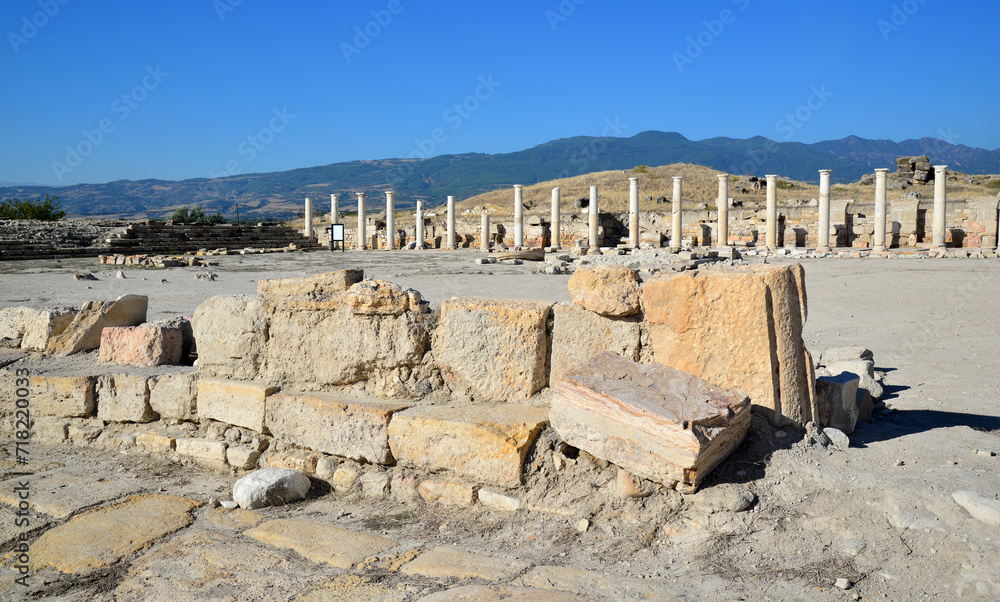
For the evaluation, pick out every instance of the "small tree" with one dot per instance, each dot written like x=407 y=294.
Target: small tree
x=196 y=216
x=47 y=210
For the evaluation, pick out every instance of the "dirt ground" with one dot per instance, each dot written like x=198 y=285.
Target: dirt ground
x=879 y=514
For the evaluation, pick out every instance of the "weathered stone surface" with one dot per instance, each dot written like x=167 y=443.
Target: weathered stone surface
x=124 y=398
x=578 y=335
x=141 y=345
x=377 y=298
x=453 y=561
x=738 y=328
x=659 y=423
x=355 y=588
x=836 y=401
x=242 y=457
x=499 y=593
x=450 y=493
x=592 y=583
x=174 y=395
x=499 y=501
x=497 y=346
x=320 y=542
x=84 y=332
x=236 y=519
x=270 y=487
x=207 y=452
x=344 y=478
x=12 y=322
x=62 y=396
x=154 y=442
x=40 y=325
x=231 y=333
x=48 y=491
x=486 y=444
x=233 y=402
x=375 y=484
x=102 y=537
x=982 y=508
x=863 y=369
x=609 y=290
x=333 y=424
x=322 y=291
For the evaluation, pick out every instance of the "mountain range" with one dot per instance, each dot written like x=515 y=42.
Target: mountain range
x=280 y=194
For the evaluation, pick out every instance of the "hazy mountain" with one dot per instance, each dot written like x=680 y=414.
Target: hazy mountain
x=281 y=193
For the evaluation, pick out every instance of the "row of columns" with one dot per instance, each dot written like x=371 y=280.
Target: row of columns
x=771 y=236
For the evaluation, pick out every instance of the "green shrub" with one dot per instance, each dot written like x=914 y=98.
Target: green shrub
x=641 y=169
x=783 y=185
x=47 y=210
x=196 y=216
x=993 y=184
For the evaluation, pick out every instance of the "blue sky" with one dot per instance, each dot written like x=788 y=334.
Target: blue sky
x=200 y=88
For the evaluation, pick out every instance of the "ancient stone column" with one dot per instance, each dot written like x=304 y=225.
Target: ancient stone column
x=555 y=242
x=420 y=224
x=334 y=209
x=451 y=224
x=772 y=212
x=308 y=229
x=677 y=215
x=823 y=227
x=594 y=242
x=940 y=205
x=723 y=206
x=518 y=216
x=880 y=180
x=390 y=219
x=362 y=223
x=484 y=235
x=633 y=213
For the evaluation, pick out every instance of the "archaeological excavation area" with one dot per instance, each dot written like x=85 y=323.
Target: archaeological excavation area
x=637 y=424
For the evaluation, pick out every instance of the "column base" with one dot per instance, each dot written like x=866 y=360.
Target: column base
x=879 y=250
x=449 y=247
x=823 y=249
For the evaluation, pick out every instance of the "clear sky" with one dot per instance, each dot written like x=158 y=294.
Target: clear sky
x=196 y=88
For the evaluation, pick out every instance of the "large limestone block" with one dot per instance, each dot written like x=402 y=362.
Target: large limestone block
x=836 y=401
x=306 y=348
x=231 y=333
x=610 y=290
x=84 y=332
x=322 y=291
x=40 y=325
x=579 y=334
x=738 y=328
x=60 y=396
x=12 y=322
x=334 y=424
x=654 y=421
x=141 y=345
x=498 y=346
x=484 y=444
x=377 y=298
x=124 y=398
x=234 y=402
x=174 y=395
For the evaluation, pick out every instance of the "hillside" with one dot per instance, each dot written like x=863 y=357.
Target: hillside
x=279 y=194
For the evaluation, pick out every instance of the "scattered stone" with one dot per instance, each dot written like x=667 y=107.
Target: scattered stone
x=156 y=443
x=375 y=484
x=84 y=332
x=836 y=401
x=450 y=493
x=459 y=563
x=120 y=275
x=986 y=453
x=611 y=290
x=326 y=468
x=344 y=478
x=499 y=501
x=377 y=298
x=838 y=438
x=206 y=276
x=727 y=497
x=230 y=504
x=627 y=488
x=982 y=508
x=270 y=487
x=319 y=542
x=842 y=583
x=582 y=525
x=84 y=276
x=404 y=489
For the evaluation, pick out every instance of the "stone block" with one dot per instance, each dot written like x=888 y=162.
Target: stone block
x=375 y=484
x=320 y=542
x=60 y=396
x=84 y=332
x=270 y=487
x=141 y=345
x=483 y=444
x=231 y=333
x=321 y=291
x=333 y=424
x=234 y=402
x=40 y=325
x=377 y=298
x=450 y=493
x=499 y=501
x=49 y=429
x=207 y=452
x=124 y=398
x=654 y=421
x=579 y=334
x=154 y=442
x=304 y=462
x=836 y=401
x=738 y=328
x=610 y=290
x=242 y=457
x=459 y=563
x=497 y=346
x=865 y=371
x=174 y=395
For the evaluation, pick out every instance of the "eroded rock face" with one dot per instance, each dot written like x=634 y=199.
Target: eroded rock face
x=40 y=325
x=322 y=291
x=496 y=346
x=84 y=332
x=141 y=345
x=579 y=334
x=738 y=328
x=610 y=290
x=231 y=332
x=377 y=298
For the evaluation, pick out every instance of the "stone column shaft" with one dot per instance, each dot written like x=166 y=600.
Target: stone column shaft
x=823 y=225
x=594 y=212
x=390 y=220
x=772 y=212
x=451 y=223
x=677 y=214
x=308 y=228
x=362 y=223
x=633 y=213
x=880 y=194
x=420 y=224
x=484 y=235
x=555 y=243
x=334 y=209
x=518 y=216
x=723 y=207
x=940 y=205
